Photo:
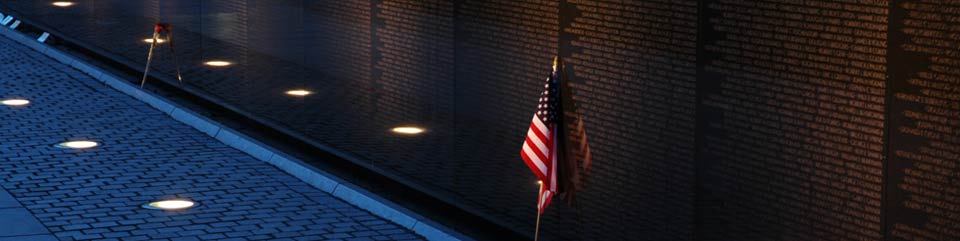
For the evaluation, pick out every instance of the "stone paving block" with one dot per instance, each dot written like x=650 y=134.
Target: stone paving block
x=117 y=84
x=431 y=232
x=87 y=69
x=161 y=105
x=323 y=182
x=229 y=137
x=36 y=46
x=353 y=196
x=59 y=56
x=201 y=124
x=258 y=151
x=250 y=147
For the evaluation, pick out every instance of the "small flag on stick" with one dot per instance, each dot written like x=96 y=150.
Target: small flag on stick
x=556 y=147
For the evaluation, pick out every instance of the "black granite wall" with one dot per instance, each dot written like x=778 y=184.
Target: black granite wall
x=633 y=70
x=923 y=118
x=708 y=119
x=792 y=104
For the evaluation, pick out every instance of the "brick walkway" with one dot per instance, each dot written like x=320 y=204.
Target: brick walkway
x=146 y=155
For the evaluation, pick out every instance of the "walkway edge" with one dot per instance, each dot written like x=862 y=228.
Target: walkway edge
x=322 y=180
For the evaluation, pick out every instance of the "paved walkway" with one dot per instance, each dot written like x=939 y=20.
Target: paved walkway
x=95 y=194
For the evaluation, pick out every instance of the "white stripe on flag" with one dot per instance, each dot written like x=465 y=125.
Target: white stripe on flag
x=535 y=159
x=539 y=124
x=536 y=141
x=543 y=199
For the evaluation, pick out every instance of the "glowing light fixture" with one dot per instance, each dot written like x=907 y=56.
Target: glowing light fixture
x=15 y=102
x=217 y=63
x=78 y=144
x=150 y=40
x=407 y=130
x=174 y=204
x=62 y=4
x=299 y=92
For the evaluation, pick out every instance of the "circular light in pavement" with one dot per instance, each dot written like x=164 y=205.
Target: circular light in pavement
x=78 y=144
x=174 y=204
x=407 y=130
x=15 y=102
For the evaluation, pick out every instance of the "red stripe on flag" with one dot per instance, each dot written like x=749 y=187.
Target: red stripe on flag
x=536 y=150
x=538 y=134
x=533 y=167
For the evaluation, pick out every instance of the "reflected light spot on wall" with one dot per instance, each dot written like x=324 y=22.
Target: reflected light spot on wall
x=299 y=92
x=407 y=130
x=15 y=102
x=62 y=4
x=150 y=40
x=217 y=63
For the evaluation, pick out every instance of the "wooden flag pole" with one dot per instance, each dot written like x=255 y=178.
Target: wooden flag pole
x=536 y=230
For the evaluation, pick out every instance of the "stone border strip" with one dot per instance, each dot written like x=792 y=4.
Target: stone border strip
x=318 y=178
x=17 y=223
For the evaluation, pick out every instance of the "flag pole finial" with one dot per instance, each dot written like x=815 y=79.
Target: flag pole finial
x=556 y=61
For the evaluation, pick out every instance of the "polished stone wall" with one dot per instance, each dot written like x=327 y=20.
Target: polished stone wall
x=792 y=116
x=709 y=119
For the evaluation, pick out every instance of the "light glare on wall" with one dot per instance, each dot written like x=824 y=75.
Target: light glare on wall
x=407 y=130
x=218 y=63
x=299 y=92
x=62 y=4
x=150 y=40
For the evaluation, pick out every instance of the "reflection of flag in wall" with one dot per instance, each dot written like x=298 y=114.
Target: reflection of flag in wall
x=556 y=148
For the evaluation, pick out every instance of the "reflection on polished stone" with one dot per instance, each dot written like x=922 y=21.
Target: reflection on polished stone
x=299 y=92
x=407 y=130
x=62 y=4
x=78 y=144
x=217 y=63
x=15 y=102
x=150 y=40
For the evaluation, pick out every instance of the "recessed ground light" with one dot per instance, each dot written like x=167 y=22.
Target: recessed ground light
x=174 y=204
x=407 y=130
x=150 y=40
x=299 y=92
x=62 y=4
x=217 y=63
x=78 y=144
x=15 y=102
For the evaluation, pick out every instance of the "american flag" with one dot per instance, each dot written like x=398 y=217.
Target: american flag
x=556 y=148
x=540 y=148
